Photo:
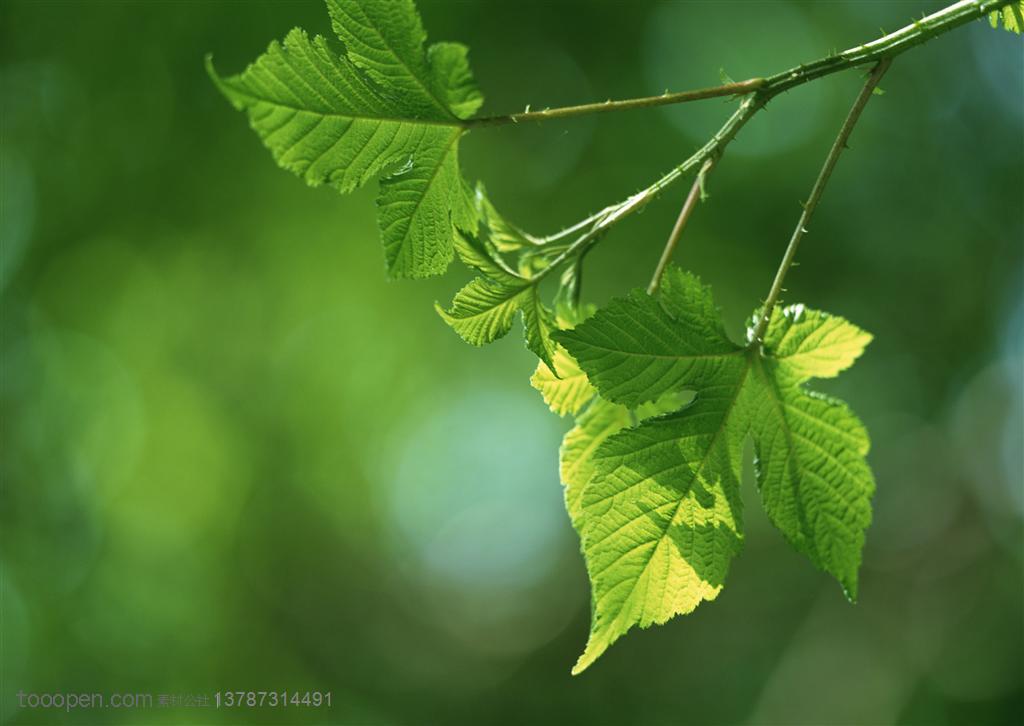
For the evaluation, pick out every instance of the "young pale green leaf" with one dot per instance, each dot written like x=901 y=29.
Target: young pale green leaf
x=539 y=325
x=384 y=106
x=661 y=515
x=814 y=344
x=600 y=420
x=659 y=512
x=566 y=393
x=483 y=310
x=1012 y=16
x=639 y=347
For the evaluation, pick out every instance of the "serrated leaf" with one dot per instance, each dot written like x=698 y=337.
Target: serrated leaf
x=475 y=252
x=659 y=515
x=814 y=480
x=600 y=420
x=383 y=107
x=814 y=344
x=505 y=236
x=660 y=520
x=639 y=347
x=539 y=325
x=569 y=391
x=386 y=37
x=483 y=310
x=576 y=456
x=1012 y=16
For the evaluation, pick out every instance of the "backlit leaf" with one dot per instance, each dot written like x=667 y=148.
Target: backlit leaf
x=657 y=505
x=384 y=106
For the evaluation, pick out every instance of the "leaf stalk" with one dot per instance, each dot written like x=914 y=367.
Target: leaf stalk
x=696 y=192
x=816 y=191
x=760 y=91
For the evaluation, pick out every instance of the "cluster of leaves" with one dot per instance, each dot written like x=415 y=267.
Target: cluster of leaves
x=386 y=106
x=663 y=400
x=657 y=504
x=390 y=106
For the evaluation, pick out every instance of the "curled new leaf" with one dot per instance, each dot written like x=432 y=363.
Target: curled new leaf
x=483 y=311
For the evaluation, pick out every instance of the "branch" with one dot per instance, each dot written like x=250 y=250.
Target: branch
x=609 y=216
x=677 y=230
x=665 y=99
x=889 y=46
x=886 y=47
x=812 y=202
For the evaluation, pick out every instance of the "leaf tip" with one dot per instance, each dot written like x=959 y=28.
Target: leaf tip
x=585 y=661
x=849 y=585
x=211 y=70
x=446 y=315
x=221 y=83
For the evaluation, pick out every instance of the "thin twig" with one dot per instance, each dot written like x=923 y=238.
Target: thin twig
x=887 y=46
x=609 y=216
x=677 y=229
x=728 y=89
x=816 y=191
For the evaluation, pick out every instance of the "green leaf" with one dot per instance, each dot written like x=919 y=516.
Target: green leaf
x=660 y=521
x=566 y=393
x=483 y=310
x=812 y=474
x=477 y=253
x=599 y=421
x=814 y=344
x=385 y=38
x=496 y=296
x=505 y=236
x=659 y=512
x=383 y=107
x=1012 y=16
x=576 y=457
x=539 y=325
x=639 y=347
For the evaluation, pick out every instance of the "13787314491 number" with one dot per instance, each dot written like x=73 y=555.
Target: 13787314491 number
x=272 y=699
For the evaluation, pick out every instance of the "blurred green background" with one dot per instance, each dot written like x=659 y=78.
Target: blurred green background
x=234 y=456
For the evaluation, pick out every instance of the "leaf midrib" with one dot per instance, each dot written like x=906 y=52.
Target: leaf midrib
x=426 y=190
x=454 y=123
x=660 y=356
x=793 y=463
x=510 y=300
x=679 y=505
